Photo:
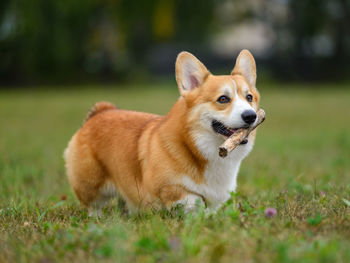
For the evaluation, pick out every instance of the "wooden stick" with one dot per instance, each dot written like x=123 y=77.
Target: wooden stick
x=236 y=139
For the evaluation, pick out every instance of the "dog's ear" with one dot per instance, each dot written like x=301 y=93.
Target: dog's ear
x=190 y=72
x=245 y=66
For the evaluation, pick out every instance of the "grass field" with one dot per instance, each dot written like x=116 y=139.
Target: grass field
x=300 y=166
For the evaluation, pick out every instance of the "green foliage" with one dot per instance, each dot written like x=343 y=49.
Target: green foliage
x=314 y=221
x=42 y=39
x=64 y=41
x=299 y=166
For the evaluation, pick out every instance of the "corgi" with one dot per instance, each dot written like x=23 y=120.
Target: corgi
x=157 y=162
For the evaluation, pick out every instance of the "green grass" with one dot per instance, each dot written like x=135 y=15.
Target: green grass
x=300 y=166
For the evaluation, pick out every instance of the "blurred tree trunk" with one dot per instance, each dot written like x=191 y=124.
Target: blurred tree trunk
x=342 y=29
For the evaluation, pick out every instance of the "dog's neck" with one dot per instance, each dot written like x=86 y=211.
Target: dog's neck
x=208 y=174
x=175 y=134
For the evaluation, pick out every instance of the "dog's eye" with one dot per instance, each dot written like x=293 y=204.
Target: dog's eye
x=249 y=98
x=223 y=99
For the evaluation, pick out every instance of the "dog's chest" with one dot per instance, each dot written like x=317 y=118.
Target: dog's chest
x=220 y=179
x=220 y=175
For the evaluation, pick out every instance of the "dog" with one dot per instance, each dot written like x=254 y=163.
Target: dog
x=157 y=162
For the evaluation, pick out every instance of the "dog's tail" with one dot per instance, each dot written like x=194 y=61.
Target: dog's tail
x=99 y=107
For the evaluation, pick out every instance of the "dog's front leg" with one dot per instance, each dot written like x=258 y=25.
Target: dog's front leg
x=190 y=203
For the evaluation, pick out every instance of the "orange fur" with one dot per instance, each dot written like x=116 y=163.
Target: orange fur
x=98 y=107
x=144 y=157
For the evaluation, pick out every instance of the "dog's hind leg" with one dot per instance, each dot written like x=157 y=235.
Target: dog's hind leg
x=87 y=177
x=105 y=193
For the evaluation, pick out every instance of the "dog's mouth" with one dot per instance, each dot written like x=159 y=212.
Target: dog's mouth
x=220 y=128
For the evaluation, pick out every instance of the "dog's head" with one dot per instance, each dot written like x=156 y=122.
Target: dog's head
x=218 y=105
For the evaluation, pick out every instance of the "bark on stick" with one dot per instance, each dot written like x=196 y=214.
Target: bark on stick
x=235 y=139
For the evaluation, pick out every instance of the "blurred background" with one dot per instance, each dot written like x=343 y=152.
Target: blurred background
x=58 y=58
x=84 y=41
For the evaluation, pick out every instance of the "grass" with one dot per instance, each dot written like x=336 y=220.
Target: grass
x=300 y=166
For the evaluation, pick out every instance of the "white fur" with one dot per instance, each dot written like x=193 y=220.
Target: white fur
x=221 y=173
x=190 y=202
x=106 y=192
x=240 y=105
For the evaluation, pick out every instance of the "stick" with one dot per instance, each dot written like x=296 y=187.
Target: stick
x=235 y=139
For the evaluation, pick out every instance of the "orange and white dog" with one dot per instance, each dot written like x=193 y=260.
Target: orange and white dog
x=153 y=161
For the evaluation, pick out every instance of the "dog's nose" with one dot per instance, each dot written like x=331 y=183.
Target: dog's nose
x=248 y=116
